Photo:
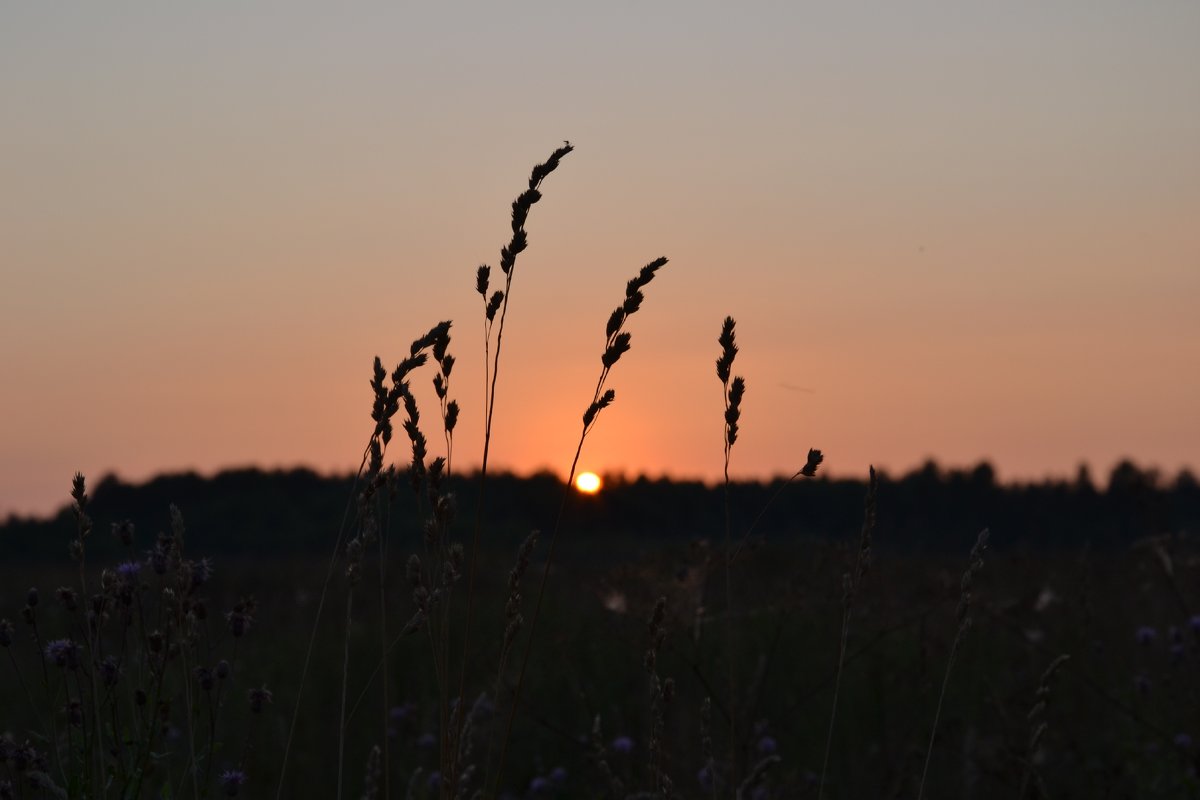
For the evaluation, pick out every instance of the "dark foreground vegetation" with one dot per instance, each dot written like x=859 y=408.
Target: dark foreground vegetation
x=1119 y=715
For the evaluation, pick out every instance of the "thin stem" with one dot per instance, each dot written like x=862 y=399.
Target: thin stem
x=730 y=631
x=383 y=648
x=345 y=682
x=837 y=685
x=312 y=639
x=937 y=715
x=537 y=608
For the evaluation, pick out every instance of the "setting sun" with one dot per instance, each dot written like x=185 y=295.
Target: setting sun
x=588 y=482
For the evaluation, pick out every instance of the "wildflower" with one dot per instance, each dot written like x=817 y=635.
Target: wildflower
x=129 y=570
x=6 y=632
x=539 y=785
x=222 y=669
x=558 y=776
x=67 y=596
x=64 y=653
x=1183 y=741
x=705 y=777
x=232 y=780
x=1142 y=684
x=240 y=618
x=1146 y=635
x=110 y=671
x=622 y=744
x=1194 y=624
x=767 y=746
x=201 y=572
x=258 y=698
x=204 y=677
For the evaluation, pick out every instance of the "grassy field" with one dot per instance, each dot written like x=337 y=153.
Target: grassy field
x=1116 y=715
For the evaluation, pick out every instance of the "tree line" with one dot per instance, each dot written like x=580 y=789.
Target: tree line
x=927 y=510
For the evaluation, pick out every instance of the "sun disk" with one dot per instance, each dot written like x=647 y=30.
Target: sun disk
x=588 y=482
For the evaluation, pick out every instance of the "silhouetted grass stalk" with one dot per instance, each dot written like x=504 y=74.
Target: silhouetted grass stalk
x=616 y=343
x=1038 y=727
x=963 y=618
x=731 y=393
x=851 y=582
x=498 y=301
x=386 y=405
x=809 y=470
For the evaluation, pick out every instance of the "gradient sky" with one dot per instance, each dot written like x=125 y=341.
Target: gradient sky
x=958 y=230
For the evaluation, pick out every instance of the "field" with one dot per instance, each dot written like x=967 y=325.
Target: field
x=1117 y=714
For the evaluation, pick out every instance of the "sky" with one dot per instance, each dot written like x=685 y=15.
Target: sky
x=959 y=231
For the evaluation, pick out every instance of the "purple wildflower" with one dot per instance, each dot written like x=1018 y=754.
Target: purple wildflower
x=1183 y=741
x=767 y=746
x=232 y=780
x=110 y=671
x=1146 y=635
x=1194 y=623
x=129 y=570
x=64 y=653
x=558 y=776
x=705 y=777
x=622 y=744
x=539 y=785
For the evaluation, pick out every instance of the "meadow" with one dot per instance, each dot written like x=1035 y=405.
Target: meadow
x=424 y=658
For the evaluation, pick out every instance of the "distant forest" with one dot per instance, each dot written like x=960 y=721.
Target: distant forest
x=929 y=510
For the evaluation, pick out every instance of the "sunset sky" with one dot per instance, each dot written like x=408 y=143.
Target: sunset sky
x=949 y=230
